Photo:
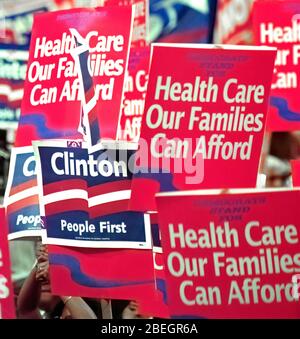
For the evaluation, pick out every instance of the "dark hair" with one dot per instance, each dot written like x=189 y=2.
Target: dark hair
x=283 y=145
x=57 y=311
x=118 y=307
x=95 y=305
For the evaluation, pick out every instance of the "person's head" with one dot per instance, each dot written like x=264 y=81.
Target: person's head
x=48 y=301
x=278 y=172
x=131 y=311
x=94 y=304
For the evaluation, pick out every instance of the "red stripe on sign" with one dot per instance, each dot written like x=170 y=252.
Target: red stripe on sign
x=109 y=208
x=66 y=206
x=109 y=187
x=22 y=187
x=65 y=185
x=18 y=205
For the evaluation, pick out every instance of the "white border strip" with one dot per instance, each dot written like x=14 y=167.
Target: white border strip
x=126 y=69
x=9 y=124
x=147 y=227
x=12 y=95
x=23 y=234
x=157 y=249
x=215 y=46
x=104 y=144
x=14 y=54
x=64 y=195
x=21 y=195
x=98 y=244
x=39 y=178
x=109 y=197
x=225 y=191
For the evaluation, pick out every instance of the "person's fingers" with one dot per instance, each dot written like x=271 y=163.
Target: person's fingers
x=42 y=270
x=39 y=277
x=42 y=275
x=43 y=263
x=41 y=266
x=42 y=258
x=42 y=249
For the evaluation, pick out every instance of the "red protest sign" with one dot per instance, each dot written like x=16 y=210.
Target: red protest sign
x=231 y=255
x=202 y=127
x=72 y=52
x=277 y=24
x=134 y=95
x=234 y=22
x=101 y=273
x=157 y=305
